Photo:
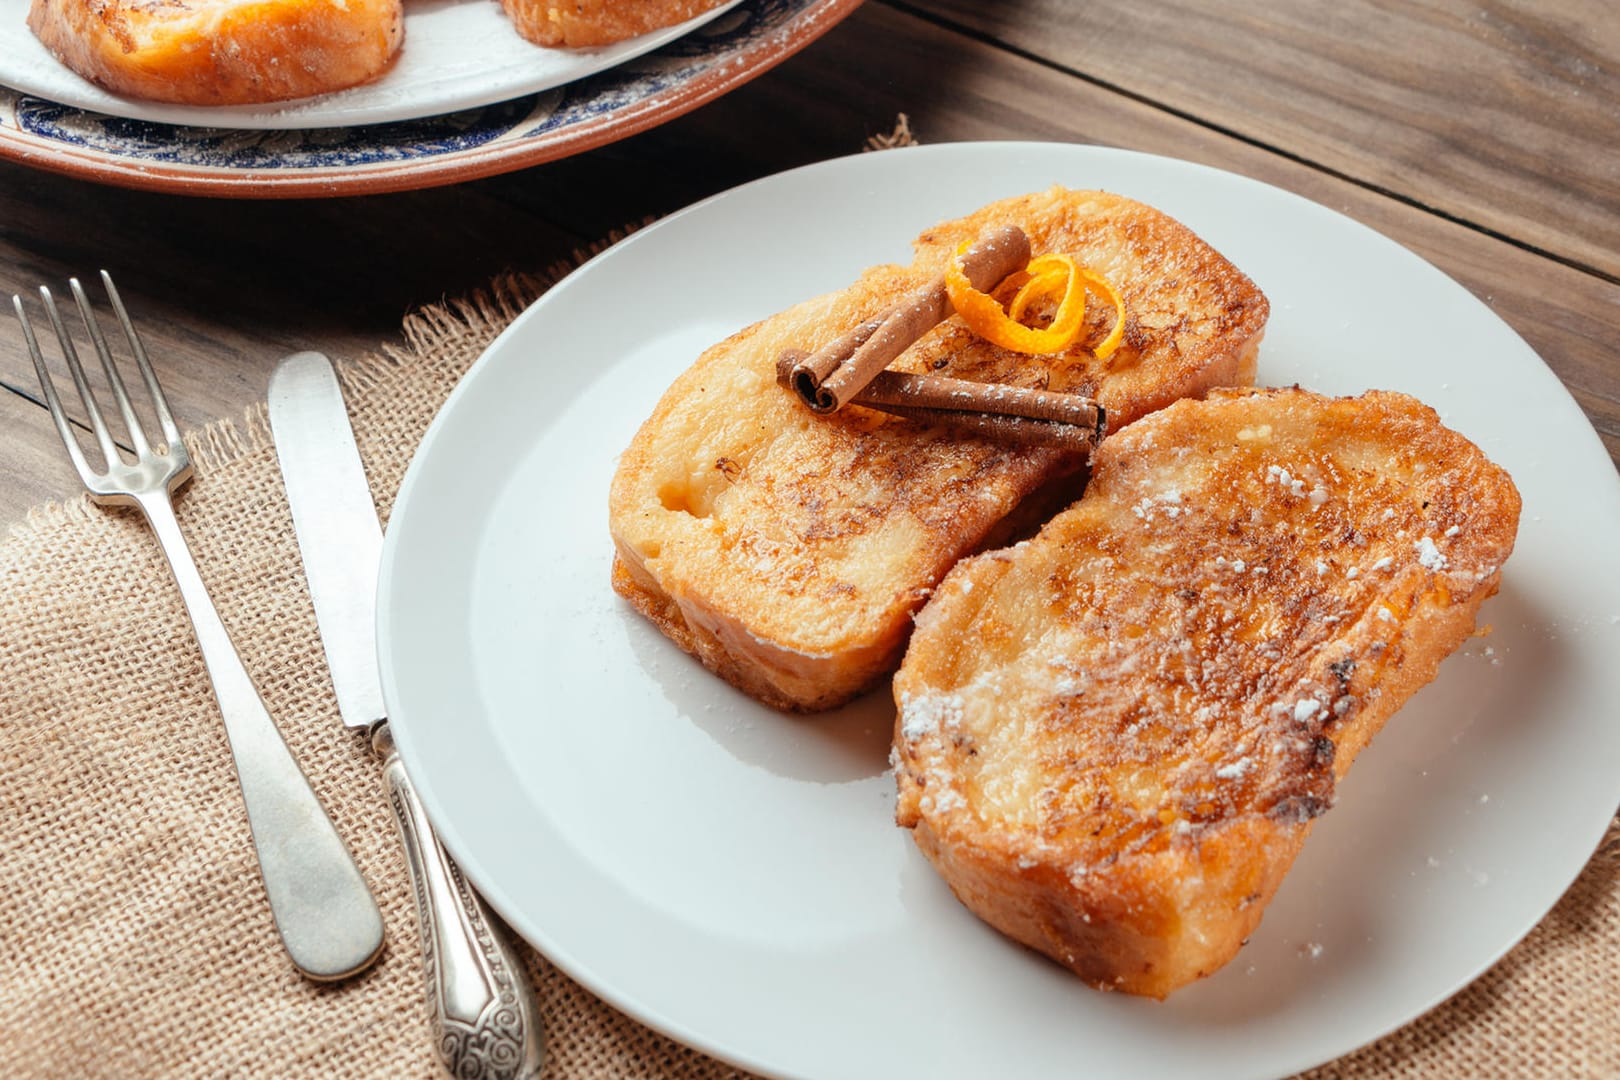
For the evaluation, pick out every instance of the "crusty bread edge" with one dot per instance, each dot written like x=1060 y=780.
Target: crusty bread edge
x=1122 y=929
x=1125 y=927
x=249 y=55
x=781 y=678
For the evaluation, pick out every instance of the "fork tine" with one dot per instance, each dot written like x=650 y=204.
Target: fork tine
x=171 y=432
x=71 y=355
x=132 y=423
x=52 y=401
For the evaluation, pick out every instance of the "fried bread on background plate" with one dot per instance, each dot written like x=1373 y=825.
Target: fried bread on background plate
x=1113 y=739
x=788 y=551
x=221 y=52
x=586 y=23
x=254 y=52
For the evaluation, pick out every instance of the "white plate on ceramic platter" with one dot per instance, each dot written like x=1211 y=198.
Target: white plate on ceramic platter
x=733 y=877
x=338 y=144
x=457 y=54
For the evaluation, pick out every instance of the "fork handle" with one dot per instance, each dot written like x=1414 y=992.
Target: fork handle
x=326 y=916
x=485 y=1019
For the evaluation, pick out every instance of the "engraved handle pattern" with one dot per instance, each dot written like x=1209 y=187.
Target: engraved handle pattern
x=487 y=1026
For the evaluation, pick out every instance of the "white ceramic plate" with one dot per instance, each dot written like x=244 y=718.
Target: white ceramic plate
x=634 y=96
x=458 y=54
x=733 y=877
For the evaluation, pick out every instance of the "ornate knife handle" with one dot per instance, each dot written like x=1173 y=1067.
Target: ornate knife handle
x=484 y=1014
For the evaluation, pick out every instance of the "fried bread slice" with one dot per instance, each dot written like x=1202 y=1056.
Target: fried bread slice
x=1113 y=739
x=221 y=52
x=788 y=551
x=586 y=23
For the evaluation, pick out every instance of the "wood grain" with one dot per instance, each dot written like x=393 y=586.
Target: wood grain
x=1502 y=114
x=37 y=470
x=222 y=290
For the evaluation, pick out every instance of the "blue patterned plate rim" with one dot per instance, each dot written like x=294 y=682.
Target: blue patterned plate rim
x=634 y=96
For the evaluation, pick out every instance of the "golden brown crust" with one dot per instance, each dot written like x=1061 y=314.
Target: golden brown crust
x=1123 y=932
x=1113 y=739
x=796 y=548
x=780 y=679
x=584 y=23
x=221 y=52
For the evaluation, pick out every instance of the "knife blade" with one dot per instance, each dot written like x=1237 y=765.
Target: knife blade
x=483 y=1008
x=336 y=524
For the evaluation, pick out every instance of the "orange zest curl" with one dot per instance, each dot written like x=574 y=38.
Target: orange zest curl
x=1045 y=277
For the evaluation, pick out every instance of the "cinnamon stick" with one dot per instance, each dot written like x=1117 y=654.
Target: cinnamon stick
x=1018 y=430
x=850 y=369
x=941 y=394
x=833 y=375
x=1014 y=414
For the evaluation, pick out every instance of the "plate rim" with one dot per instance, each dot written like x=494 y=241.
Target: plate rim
x=630 y=1003
x=283 y=115
x=498 y=156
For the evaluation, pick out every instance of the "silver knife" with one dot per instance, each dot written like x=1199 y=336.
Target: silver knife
x=481 y=1002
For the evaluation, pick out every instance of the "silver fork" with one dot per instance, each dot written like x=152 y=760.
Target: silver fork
x=325 y=914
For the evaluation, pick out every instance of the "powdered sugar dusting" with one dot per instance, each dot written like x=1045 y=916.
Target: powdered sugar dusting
x=1293 y=485
x=1429 y=554
x=928 y=714
x=1276 y=474
x=1167 y=503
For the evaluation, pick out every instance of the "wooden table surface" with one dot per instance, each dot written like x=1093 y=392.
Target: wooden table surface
x=1485 y=136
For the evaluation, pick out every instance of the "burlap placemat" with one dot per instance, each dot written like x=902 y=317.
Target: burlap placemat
x=134 y=936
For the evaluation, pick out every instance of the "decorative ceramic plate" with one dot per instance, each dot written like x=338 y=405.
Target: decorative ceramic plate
x=458 y=54
x=424 y=144
x=733 y=876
